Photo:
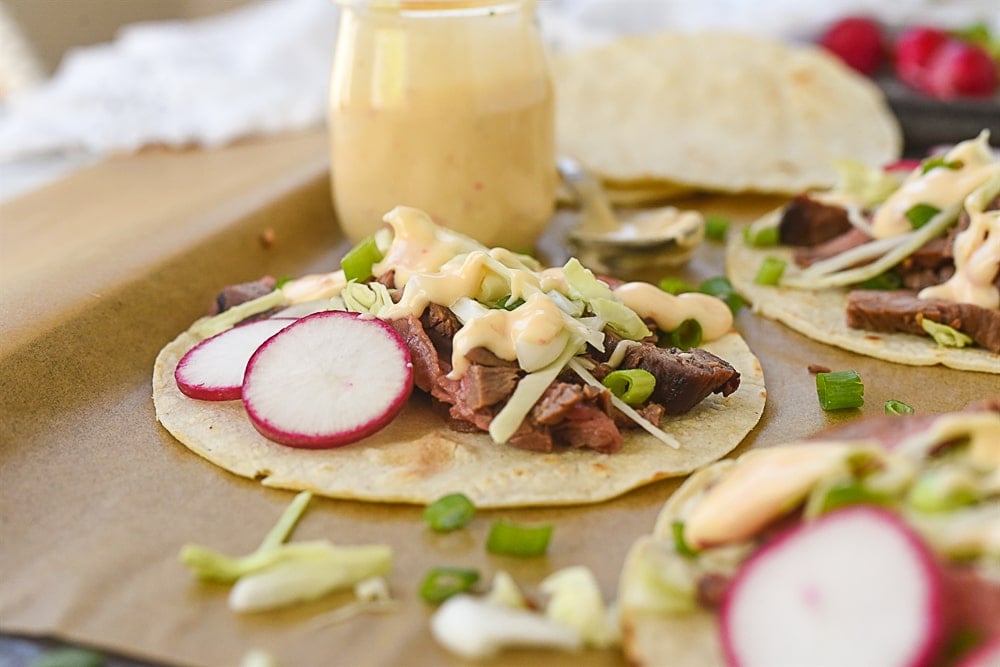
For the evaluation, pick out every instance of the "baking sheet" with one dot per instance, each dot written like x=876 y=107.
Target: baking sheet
x=96 y=499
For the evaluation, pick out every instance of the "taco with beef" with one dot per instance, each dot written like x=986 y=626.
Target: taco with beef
x=876 y=543
x=902 y=266
x=532 y=386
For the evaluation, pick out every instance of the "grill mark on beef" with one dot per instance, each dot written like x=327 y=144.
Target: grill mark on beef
x=808 y=222
x=683 y=378
x=902 y=311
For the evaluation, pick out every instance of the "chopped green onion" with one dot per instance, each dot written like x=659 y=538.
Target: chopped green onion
x=506 y=304
x=357 y=263
x=69 y=657
x=889 y=280
x=443 y=582
x=685 y=336
x=920 y=214
x=763 y=237
x=680 y=544
x=939 y=161
x=719 y=286
x=282 y=281
x=943 y=334
x=511 y=539
x=676 y=286
x=839 y=390
x=716 y=227
x=894 y=407
x=449 y=512
x=770 y=271
x=635 y=385
x=849 y=493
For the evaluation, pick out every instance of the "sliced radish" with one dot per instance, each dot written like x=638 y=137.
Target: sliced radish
x=328 y=380
x=855 y=587
x=213 y=369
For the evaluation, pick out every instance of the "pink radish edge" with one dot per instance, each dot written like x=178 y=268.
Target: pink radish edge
x=394 y=403
x=934 y=633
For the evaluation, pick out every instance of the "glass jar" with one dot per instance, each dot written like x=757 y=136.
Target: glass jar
x=447 y=106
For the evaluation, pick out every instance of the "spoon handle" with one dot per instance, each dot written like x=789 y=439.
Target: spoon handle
x=596 y=214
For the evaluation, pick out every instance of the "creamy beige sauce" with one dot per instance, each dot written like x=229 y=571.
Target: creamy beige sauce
x=450 y=111
x=669 y=310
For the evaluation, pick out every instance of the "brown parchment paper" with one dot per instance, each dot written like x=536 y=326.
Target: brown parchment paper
x=96 y=499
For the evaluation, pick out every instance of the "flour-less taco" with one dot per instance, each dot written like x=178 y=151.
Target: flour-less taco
x=531 y=386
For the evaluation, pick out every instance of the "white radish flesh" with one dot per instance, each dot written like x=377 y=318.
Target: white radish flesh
x=328 y=380
x=213 y=369
x=856 y=587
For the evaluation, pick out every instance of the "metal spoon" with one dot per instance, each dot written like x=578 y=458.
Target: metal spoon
x=632 y=243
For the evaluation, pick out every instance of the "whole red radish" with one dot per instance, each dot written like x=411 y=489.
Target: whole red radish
x=858 y=41
x=914 y=48
x=213 y=369
x=854 y=587
x=961 y=69
x=328 y=380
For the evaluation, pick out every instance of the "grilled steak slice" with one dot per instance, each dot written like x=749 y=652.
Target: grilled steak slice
x=808 y=222
x=683 y=378
x=427 y=367
x=441 y=326
x=587 y=426
x=234 y=295
x=852 y=238
x=902 y=311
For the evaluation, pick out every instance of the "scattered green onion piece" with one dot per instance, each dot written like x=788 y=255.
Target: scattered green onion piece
x=719 y=286
x=920 y=214
x=680 y=544
x=676 y=286
x=765 y=237
x=894 y=407
x=634 y=385
x=849 y=493
x=686 y=335
x=884 y=281
x=443 y=582
x=506 y=304
x=939 y=161
x=511 y=539
x=357 y=263
x=449 y=512
x=770 y=271
x=944 y=335
x=716 y=227
x=839 y=390
x=68 y=657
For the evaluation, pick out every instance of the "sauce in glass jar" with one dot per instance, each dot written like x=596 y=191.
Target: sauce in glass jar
x=447 y=106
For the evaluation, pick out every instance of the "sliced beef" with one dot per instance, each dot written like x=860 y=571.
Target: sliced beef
x=808 y=222
x=683 y=378
x=532 y=437
x=483 y=386
x=234 y=295
x=973 y=601
x=588 y=426
x=902 y=311
x=441 y=326
x=852 y=238
x=427 y=367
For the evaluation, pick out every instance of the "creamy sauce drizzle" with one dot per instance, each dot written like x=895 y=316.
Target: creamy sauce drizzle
x=669 y=310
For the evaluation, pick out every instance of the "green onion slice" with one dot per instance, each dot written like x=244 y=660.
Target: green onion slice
x=849 y=493
x=719 y=286
x=676 y=286
x=763 y=237
x=716 y=227
x=634 y=385
x=920 y=214
x=506 y=304
x=889 y=280
x=840 y=390
x=680 y=544
x=894 y=407
x=449 y=512
x=359 y=260
x=770 y=271
x=443 y=582
x=943 y=334
x=687 y=335
x=939 y=161
x=511 y=539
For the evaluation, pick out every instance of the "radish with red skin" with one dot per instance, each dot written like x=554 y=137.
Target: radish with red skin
x=914 y=49
x=960 y=69
x=854 y=587
x=213 y=369
x=857 y=41
x=327 y=380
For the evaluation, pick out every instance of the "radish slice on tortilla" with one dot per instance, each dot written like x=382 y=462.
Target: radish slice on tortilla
x=855 y=587
x=213 y=369
x=327 y=380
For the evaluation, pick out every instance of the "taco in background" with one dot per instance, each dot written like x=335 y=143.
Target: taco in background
x=937 y=477
x=503 y=415
x=902 y=269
